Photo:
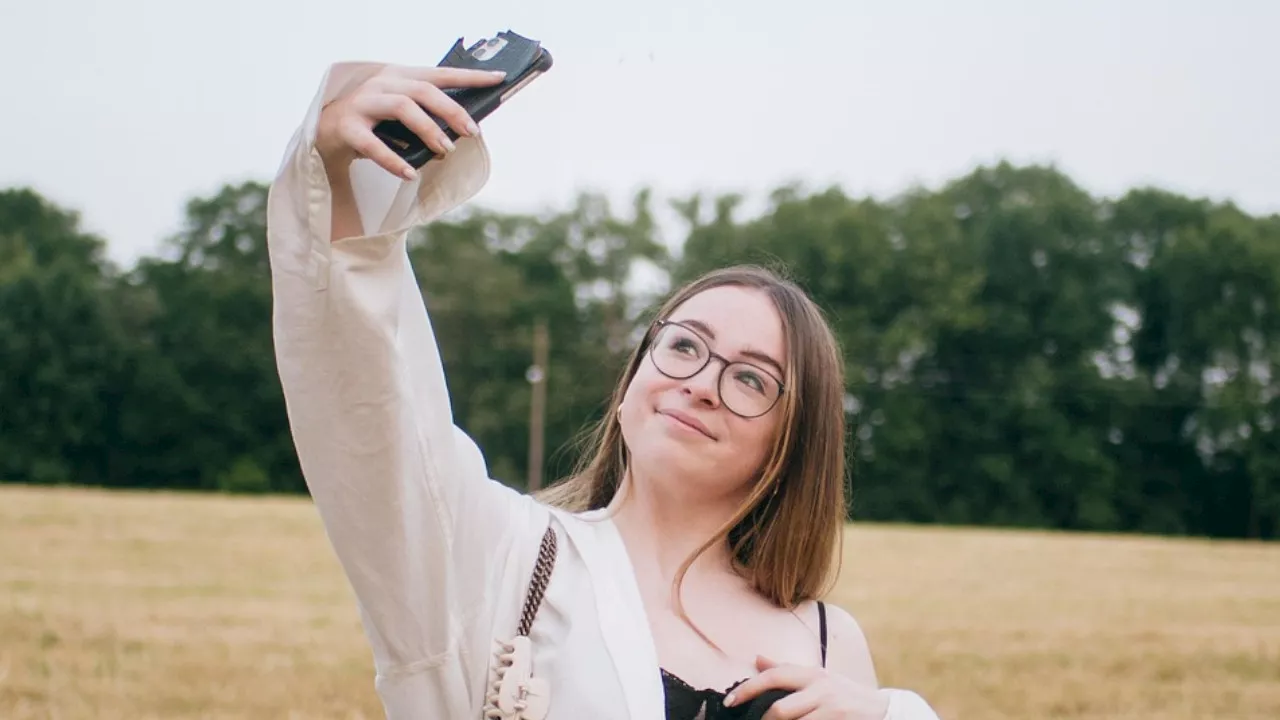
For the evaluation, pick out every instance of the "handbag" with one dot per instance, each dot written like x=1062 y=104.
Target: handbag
x=514 y=693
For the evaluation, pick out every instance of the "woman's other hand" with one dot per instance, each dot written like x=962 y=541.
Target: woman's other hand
x=816 y=694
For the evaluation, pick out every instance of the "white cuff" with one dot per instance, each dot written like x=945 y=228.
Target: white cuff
x=906 y=705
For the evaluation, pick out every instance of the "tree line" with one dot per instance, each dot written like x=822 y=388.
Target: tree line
x=1019 y=352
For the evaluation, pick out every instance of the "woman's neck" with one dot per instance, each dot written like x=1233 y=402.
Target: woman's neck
x=664 y=523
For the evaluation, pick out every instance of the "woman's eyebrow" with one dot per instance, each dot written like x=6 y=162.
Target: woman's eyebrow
x=756 y=355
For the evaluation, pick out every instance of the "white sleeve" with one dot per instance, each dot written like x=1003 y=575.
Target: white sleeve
x=405 y=498
x=907 y=705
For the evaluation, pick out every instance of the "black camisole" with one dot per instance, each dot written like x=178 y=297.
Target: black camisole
x=685 y=702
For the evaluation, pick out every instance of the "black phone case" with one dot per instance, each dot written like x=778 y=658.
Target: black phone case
x=519 y=57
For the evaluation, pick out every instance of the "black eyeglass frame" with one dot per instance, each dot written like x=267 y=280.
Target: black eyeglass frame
x=725 y=362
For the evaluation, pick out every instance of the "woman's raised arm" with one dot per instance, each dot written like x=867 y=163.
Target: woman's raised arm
x=404 y=495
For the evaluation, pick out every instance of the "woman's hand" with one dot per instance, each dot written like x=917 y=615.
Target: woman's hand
x=345 y=128
x=817 y=694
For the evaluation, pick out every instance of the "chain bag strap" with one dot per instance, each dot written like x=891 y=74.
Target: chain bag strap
x=538 y=583
x=514 y=693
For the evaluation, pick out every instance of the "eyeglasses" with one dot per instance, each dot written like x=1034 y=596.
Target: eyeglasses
x=746 y=390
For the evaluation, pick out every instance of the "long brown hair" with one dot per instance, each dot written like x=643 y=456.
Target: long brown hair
x=785 y=538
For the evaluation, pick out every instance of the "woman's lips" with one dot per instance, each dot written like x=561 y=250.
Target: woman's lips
x=688 y=421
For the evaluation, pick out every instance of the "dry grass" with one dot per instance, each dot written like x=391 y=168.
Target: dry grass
x=160 y=606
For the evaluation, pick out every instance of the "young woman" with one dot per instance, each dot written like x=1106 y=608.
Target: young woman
x=675 y=576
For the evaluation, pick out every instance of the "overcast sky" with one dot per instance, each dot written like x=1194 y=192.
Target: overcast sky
x=123 y=110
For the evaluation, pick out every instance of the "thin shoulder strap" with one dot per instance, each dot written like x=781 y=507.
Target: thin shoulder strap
x=822 y=630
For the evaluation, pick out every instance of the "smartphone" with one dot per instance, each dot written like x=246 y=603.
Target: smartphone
x=521 y=58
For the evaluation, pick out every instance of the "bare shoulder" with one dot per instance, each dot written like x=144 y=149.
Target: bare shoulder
x=847 y=650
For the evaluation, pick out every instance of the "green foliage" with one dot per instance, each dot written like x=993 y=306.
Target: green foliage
x=244 y=476
x=1018 y=352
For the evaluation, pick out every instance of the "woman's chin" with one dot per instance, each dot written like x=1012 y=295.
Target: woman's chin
x=674 y=453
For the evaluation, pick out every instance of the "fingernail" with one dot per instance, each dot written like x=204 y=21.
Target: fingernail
x=472 y=128
x=498 y=73
x=448 y=145
x=730 y=700
x=409 y=173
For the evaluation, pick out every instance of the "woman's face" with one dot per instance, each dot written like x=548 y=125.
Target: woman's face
x=682 y=429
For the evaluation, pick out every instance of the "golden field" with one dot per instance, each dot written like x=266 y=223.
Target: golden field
x=136 y=606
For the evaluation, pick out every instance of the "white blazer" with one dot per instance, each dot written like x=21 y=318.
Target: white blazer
x=439 y=555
